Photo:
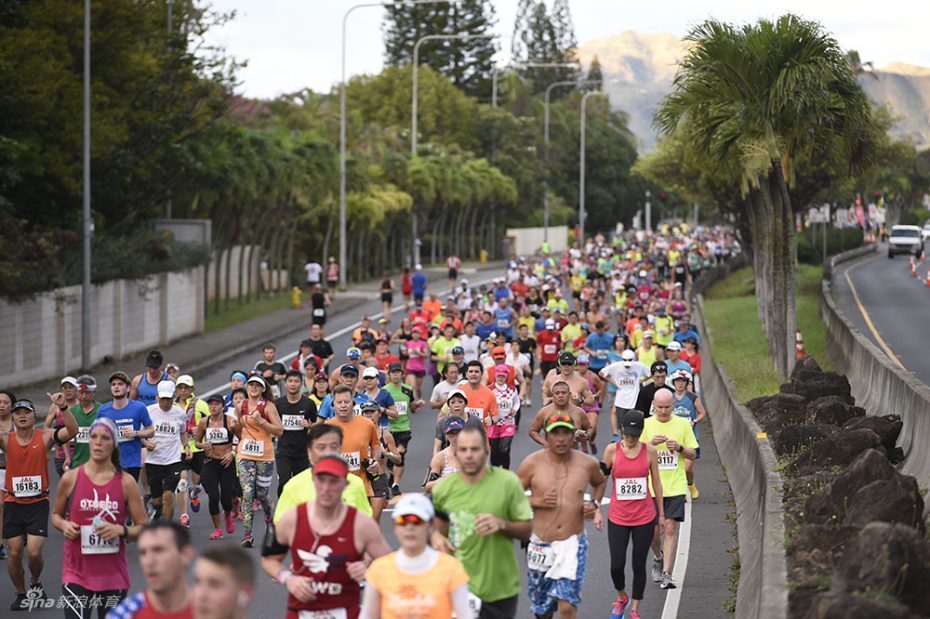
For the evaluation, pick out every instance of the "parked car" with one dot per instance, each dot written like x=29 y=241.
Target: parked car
x=905 y=240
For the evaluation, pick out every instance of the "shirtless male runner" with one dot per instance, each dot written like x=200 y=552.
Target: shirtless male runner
x=580 y=393
x=328 y=542
x=557 y=477
x=561 y=396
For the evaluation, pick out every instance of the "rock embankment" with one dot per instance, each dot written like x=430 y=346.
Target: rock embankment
x=855 y=534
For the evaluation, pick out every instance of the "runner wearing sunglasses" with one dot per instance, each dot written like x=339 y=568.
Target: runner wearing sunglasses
x=415 y=581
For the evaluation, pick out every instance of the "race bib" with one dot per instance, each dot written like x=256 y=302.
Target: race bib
x=27 y=486
x=601 y=354
x=292 y=422
x=474 y=603
x=93 y=544
x=83 y=435
x=505 y=405
x=503 y=324
x=217 y=435
x=539 y=558
x=477 y=412
x=668 y=461
x=627 y=381
x=251 y=447
x=319 y=312
x=125 y=433
x=401 y=408
x=630 y=488
x=549 y=349
x=332 y=613
x=353 y=459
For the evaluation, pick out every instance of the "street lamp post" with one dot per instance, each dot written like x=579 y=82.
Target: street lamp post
x=581 y=211
x=527 y=65
x=461 y=36
x=343 y=267
x=87 y=225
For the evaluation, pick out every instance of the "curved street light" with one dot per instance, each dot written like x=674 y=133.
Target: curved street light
x=581 y=211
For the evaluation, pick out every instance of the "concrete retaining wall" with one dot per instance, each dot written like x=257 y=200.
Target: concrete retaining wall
x=757 y=488
x=41 y=338
x=879 y=386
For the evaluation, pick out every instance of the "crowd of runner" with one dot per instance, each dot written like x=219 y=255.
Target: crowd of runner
x=318 y=449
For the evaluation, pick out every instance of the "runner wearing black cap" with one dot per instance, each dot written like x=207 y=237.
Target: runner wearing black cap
x=405 y=404
x=647 y=392
x=144 y=387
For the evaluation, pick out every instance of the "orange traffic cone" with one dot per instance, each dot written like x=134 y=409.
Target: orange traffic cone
x=927 y=283
x=799 y=352
x=923 y=256
x=913 y=267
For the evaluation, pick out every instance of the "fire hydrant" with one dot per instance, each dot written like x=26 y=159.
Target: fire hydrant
x=484 y=256
x=296 y=294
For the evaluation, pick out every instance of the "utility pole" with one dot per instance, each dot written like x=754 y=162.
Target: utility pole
x=87 y=224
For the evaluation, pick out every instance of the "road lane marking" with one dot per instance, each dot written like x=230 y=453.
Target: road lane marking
x=330 y=336
x=868 y=320
x=673 y=599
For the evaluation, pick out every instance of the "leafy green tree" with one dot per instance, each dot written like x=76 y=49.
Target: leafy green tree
x=756 y=98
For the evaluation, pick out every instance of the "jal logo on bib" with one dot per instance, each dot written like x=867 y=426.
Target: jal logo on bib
x=217 y=435
x=292 y=422
x=667 y=460
x=251 y=447
x=630 y=488
x=27 y=486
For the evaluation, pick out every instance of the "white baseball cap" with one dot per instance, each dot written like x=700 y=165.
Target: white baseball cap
x=166 y=389
x=70 y=380
x=370 y=372
x=673 y=345
x=186 y=379
x=628 y=356
x=415 y=504
x=550 y=324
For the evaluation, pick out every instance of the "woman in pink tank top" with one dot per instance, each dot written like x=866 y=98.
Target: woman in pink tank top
x=633 y=509
x=92 y=506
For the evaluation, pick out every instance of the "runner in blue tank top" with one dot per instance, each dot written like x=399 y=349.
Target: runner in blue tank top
x=145 y=386
x=504 y=317
x=688 y=405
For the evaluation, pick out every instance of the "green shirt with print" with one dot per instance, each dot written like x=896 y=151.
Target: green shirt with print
x=490 y=560
x=442 y=348
x=82 y=440
x=403 y=404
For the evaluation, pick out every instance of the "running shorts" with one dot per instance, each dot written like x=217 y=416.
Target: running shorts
x=21 y=519
x=545 y=593
x=163 y=477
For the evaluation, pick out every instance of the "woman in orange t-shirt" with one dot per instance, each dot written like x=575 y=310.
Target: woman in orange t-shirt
x=258 y=424
x=416 y=581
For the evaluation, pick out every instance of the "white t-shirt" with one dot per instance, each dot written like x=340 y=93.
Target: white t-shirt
x=627 y=380
x=314 y=270
x=441 y=392
x=168 y=428
x=471 y=345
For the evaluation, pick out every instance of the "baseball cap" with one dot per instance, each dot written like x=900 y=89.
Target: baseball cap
x=320 y=376
x=415 y=504
x=331 y=464
x=69 y=380
x=354 y=354
x=186 y=379
x=559 y=420
x=648 y=334
x=216 y=398
x=456 y=392
x=628 y=356
x=368 y=406
x=349 y=369
x=154 y=359
x=255 y=378
x=673 y=345
x=566 y=358
x=502 y=369
x=642 y=273
x=166 y=389
x=27 y=404
x=370 y=373
x=661 y=310
x=458 y=350
x=550 y=324
x=632 y=423
x=498 y=351
x=453 y=424
x=658 y=366
x=120 y=375
x=584 y=358
x=681 y=374
x=395 y=367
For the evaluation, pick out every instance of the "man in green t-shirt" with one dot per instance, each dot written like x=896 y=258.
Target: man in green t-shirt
x=442 y=347
x=405 y=405
x=85 y=412
x=480 y=510
x=674 y=441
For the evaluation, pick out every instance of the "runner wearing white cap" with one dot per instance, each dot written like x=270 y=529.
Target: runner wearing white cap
x=627 y=376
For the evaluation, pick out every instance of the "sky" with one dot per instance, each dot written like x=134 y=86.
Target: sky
x=295 y=44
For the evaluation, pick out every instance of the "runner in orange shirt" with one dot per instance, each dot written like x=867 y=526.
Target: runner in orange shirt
x=361 y=448
x=481 y=401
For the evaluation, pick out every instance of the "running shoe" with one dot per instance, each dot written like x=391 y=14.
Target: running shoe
x=619 y=607
x=269 y=518
x=667 y=581
x=593 y=448
x=246 y=541
x=19 y=602
x=151 y=514
x=395 y=490
x=256 y=505
x=185 y=520
x=217 y=534
x=3 y=552
x=692 y=488
x=634 y=614
x=36 y=592
x=657 y=569
x=230 y=523
x=195 y=501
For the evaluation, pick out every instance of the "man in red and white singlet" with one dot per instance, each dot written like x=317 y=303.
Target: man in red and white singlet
x=328 y=542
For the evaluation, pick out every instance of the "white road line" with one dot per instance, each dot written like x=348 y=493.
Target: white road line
x=673 y=599
x=330 y=336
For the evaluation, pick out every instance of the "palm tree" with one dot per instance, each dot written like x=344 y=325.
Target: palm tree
x=754 y=99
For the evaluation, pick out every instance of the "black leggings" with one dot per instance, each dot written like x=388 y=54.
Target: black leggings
x=288 y=467
x=618 y=537
x=500 y=451
x=220 y=483
x=80 y=602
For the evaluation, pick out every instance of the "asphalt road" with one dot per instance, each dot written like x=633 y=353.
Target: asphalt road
x=701 y=593
x=889 y=307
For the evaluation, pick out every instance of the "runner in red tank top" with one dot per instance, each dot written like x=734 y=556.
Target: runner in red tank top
x=327 y=540
x=633 y=509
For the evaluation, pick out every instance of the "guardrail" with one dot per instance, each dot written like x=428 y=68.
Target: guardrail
x=878 y=385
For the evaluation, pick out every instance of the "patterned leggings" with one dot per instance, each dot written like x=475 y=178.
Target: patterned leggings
x=255 y=478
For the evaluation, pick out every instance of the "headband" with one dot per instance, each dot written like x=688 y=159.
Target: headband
x=107 y=424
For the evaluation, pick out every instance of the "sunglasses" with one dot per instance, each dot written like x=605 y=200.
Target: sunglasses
x=408 y=519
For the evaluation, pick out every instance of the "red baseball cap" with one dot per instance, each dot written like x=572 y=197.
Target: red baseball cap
x=331 y=464
x=498 y=351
